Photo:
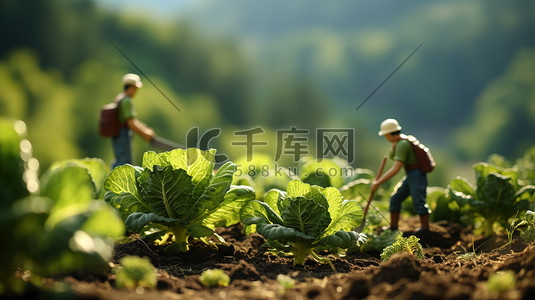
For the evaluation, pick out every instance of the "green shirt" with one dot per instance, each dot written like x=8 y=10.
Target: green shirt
x=126 y=109
x=404 y=153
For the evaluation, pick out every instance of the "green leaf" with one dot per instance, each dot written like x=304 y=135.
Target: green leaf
x=461 y=191
x=298 y=188
x=228 y=212
x=151 y=159
x=136 y=221
x=96 y=167
x=66 y=247
x=526 y=191
x=334 y=201
x=278 y=232
x=168 y=192
x=12 y=166
x=123 y=192
x=258 y=213
x=439 y=203
x=199 y=230
x=483 y=170
x=315 y=172
x=71 y=189
x=103 y=221
x=497 y=191
x=219 y=185
x=461 y=185
x=410 y=245
x=198 y=163
x=344 y=239
x=353 y=189
x=381 y=241
x=350 y=217
x=273 y=197
x=306 y=215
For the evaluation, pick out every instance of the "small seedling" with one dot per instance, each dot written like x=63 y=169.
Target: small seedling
x=501 y=282
x=467 y=256
x=286 y=282
x=528 y=235
x=134 y=272
x=214 y=277
x=410 y=245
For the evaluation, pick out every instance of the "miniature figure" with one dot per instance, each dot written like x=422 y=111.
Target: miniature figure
x=414 y=183
x=122 y=143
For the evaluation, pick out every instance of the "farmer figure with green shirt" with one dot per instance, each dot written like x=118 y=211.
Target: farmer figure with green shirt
x=122 y=143
x=415 y=182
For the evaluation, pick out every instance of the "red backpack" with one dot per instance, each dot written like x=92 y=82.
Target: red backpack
x=109 y=124
x=426 y=163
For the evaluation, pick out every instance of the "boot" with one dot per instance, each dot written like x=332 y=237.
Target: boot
x=424 y=223
x=394 y=220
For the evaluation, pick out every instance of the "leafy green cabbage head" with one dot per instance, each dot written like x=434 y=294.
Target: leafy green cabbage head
x=179 y=192
x=303 y=218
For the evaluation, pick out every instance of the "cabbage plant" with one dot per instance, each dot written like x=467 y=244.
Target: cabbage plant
x=303 y=219
x=177 y=192
x=134 y=272
x=496 y=198
x=53 y=224
x=214 y=277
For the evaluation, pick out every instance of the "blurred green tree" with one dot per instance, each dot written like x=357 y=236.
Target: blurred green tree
x=504 y=119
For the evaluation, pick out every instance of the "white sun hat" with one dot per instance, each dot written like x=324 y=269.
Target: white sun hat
x=132 y=79
x=389 y=126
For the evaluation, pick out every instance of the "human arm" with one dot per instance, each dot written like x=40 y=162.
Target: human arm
x=389 y=174
x=138 y=127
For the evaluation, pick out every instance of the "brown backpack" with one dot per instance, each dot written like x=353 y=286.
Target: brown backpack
x=426 y=163
x=109 y=124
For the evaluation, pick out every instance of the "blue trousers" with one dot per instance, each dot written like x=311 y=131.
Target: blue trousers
x=415 y=185
x=122 y=147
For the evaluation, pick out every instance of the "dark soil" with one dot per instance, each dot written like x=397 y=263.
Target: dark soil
x=253 y=271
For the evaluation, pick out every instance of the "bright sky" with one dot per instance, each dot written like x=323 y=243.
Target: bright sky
x=161 y=8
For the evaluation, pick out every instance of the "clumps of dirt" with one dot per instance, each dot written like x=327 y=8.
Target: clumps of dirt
x=137 y=247
x=452 y=277
x=244 y=270
x=441 y=234
x=402 y=265
x=523 y=263
x=358 y=288
x=443 y=274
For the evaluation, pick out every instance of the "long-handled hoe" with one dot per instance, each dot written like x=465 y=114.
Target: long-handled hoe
x=372 y=193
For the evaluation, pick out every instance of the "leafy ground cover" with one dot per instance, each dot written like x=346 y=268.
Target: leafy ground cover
x=449 y=270
x=61 y=240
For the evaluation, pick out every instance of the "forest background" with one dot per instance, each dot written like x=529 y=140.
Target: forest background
x=467 y=93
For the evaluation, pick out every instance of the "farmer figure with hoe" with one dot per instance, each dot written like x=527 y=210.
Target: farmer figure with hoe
x=415 y=182
x=122 y=143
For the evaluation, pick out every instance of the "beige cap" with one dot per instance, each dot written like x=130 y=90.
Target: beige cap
x=132 y=79
x=389 y=126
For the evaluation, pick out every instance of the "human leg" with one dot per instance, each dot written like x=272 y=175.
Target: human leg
x=394 y=220
x=122 y=148
x=424 y=222
x=418 y=189
x=395 y=203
